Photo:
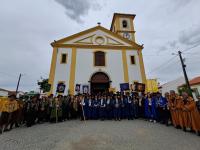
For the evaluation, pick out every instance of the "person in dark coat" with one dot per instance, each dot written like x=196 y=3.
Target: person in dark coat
x=135 y=105
x=102 y=108
x=130 y=107
x=109 y=108
x=90 y=107
x=117 y=108
x=95 y=108
x=123 y=107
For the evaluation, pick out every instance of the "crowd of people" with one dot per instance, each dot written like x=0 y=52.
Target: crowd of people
x=180 y=111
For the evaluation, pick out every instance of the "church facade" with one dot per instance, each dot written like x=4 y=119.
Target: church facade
x=99 y=58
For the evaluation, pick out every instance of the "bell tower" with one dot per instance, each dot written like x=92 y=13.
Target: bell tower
x=122 y=24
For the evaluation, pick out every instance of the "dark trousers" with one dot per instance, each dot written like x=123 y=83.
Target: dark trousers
x=135 y=109
x=95 y=113
x=109 y=112
x=167 y=116
x=130 y=111
x=141 y=112
x=161 y=115
x=102 y=113
x=117 y=113
x=123 y=113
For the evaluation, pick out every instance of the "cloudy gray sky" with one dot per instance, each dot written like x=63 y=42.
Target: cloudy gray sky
x=28 y=27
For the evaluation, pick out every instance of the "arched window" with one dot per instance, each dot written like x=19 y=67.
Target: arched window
x=99 y=58
x=124 y=23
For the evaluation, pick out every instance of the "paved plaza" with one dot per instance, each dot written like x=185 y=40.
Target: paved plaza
x=99 y=135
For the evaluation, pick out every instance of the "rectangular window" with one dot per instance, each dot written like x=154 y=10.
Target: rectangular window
x=132 y=59
x=63 y=59
x=99 y=58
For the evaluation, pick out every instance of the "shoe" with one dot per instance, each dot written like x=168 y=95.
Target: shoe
x=6 y=130
x=184 y=129
x=198 y=133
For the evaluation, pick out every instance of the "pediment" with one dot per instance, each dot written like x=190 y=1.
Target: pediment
x=97 y=36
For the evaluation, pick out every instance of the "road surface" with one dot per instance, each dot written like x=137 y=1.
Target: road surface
x=99 y=135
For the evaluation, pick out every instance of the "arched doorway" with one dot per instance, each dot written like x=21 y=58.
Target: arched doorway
x=99 y=83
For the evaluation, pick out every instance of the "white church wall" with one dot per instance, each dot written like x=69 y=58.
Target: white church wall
x=85 y=66
x=62 y=72
x=133 y=69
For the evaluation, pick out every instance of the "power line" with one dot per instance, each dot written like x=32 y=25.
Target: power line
x=191 y=47
x=163 y=64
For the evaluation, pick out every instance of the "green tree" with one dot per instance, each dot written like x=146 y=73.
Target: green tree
x=184 y=88
x=44 y=85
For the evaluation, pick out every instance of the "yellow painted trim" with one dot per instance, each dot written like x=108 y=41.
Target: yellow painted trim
x=125 y=31
x=142 y=70
x=94 y=59
x=117 y=24
x=108 y=47
x=132 y=28
x=61 y=58
x=133 y=44
x=134 y=60
x=72 y=71
x=125 y=66
x=53 y=68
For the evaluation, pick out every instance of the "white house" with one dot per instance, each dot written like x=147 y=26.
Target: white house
x=3 y=93
x=172 y=85
x=98 y=57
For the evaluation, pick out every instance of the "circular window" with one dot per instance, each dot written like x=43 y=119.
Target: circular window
x=99 y=40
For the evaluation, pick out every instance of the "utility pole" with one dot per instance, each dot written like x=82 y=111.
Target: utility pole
x=185 y=73
x=18 y=83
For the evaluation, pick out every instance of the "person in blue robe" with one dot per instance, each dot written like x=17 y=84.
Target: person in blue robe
x=150 y=108
x=161 y=106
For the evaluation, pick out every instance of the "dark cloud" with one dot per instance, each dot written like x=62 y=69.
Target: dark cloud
x=173 y=44
x=190 y=36
x=179 y=4
x=75 y=9
x=186 y=38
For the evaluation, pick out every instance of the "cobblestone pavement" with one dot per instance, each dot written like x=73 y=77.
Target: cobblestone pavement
x=99 y=135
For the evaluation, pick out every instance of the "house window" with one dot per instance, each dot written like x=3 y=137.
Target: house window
x=63 y=59
x=124 y=24
x=99 y=58
x=132 y=59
